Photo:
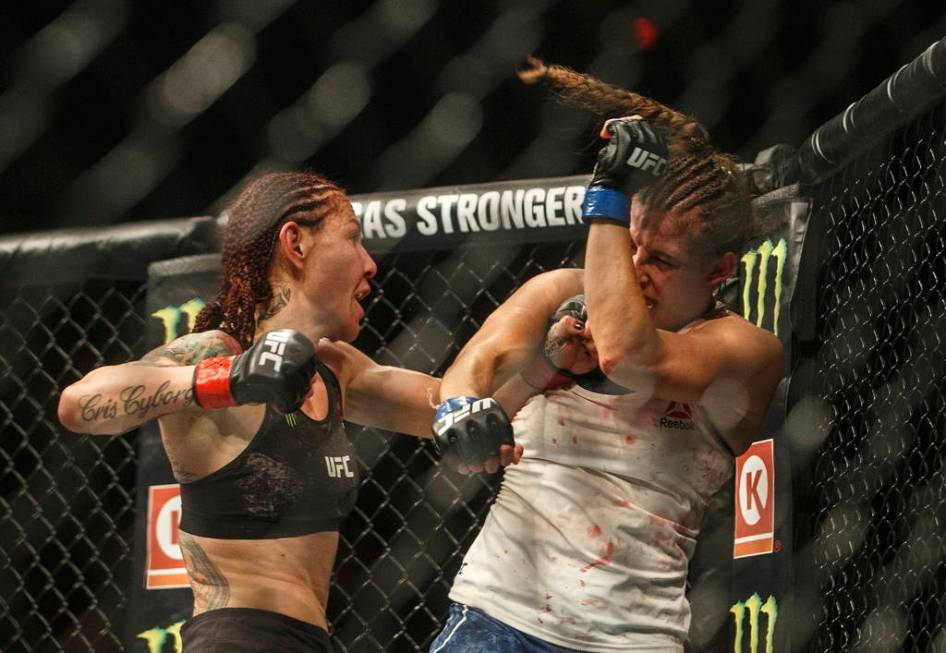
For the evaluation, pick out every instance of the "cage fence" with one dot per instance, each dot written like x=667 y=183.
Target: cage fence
x=874 y=565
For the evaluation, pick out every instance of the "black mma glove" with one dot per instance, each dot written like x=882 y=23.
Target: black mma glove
x=634 y=157
x=468 y=430
x=276 y=369
x=541 y=372
x=573 y=306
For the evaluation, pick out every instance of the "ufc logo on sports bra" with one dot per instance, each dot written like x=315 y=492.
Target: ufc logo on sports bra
x=338 y=467
x=646 y=161
x=276 y=343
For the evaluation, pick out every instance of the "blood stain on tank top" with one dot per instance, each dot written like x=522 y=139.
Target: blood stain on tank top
x=594 y=603
x=630 y=439
x=603 y=560
x=574 y=439
x=561 y=421
x=554 y=440
x=594 y=531
x=620 y=503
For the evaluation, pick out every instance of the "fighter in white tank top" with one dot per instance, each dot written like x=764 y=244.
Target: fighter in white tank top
x=588 y=541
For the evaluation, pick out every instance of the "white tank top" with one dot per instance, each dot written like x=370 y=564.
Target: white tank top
x=588 y=541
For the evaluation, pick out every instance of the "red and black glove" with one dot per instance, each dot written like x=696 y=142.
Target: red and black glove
x=277 y=369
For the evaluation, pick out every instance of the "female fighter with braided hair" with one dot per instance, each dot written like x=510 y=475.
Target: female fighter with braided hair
x=587 y=545
x=251 y=418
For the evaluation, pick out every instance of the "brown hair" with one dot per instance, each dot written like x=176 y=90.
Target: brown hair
x=697 y=175
x=249 y=239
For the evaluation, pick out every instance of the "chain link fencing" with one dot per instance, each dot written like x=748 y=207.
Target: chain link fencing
x=873 y=569
x=67 y=502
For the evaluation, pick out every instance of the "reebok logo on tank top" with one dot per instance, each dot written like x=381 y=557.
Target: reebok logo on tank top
x=677 y=415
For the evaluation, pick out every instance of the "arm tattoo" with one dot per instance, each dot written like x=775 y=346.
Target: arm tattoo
x=211 y=588
x=278 y=303
x=134 y=401
x=189 y=350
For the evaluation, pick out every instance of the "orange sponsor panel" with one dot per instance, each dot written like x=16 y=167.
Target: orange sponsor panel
x=755 y=500
x=165 y=564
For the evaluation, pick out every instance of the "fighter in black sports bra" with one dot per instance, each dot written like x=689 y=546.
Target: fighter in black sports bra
x=296 y=476
x=264 y=486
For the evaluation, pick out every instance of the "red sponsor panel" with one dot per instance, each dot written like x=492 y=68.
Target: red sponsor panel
x=165 y=563
x=755 y=500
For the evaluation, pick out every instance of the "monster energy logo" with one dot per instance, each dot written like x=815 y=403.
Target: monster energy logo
x=761 y=255
x=754 y=606
x=157 y=637
x=171 y=316
x=291 y=420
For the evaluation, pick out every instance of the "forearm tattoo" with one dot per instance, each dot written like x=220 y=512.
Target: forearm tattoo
x=133 y=401
x=144 y=401
x=211 y=588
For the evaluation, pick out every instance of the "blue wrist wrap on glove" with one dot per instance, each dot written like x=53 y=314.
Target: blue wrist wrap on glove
x=450 y=405
x=603 y=202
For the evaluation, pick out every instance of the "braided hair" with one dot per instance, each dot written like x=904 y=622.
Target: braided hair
x=697 y=175
x=249 y=240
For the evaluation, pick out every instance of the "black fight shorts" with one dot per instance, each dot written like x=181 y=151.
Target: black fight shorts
x=248 y=630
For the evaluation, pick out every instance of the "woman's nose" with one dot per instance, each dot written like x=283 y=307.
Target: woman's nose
x=371 y=268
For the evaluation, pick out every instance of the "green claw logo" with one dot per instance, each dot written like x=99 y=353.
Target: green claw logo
x=754 y=606
x=157 y=637
x=762 y=255
x=171 y=316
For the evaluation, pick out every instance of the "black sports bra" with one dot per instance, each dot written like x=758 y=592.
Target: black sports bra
x=296 y=476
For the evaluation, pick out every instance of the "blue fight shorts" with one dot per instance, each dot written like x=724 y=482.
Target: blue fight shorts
x=469 y=630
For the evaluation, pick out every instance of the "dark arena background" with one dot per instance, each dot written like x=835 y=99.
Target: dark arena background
x=122 y=121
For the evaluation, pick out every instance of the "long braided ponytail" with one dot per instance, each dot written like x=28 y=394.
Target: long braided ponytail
x=697 y=175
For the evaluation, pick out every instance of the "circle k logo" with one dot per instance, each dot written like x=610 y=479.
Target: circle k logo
x=166 y=524
x=755 y=500
x=753 y=490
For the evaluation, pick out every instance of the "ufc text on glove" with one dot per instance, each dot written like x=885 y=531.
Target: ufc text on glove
x=634 y=157
x=468 y=430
